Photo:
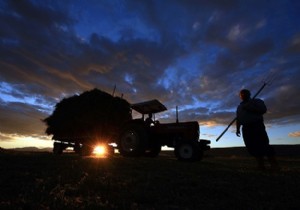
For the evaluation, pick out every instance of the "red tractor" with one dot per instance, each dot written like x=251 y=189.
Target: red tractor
x=146 y=136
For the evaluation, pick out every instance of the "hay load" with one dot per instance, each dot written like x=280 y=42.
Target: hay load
x=92 y=115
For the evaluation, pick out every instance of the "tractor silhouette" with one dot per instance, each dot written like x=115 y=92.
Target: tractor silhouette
x=145 y=137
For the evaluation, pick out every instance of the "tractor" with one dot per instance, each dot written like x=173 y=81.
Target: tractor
x=146 y=137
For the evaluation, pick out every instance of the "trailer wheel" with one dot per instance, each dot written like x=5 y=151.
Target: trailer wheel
x=154 y=150
x=57 y=148
x=187 y=151
x=77 y=148
x=133 y=141
x=86 y=150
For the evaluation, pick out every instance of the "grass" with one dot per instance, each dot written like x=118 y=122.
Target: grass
x=46 y=181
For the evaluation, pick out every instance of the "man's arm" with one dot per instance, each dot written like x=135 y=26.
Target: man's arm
x=238 y=124
x=238 y=128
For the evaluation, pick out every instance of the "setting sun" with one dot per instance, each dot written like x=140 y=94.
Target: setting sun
x=99 y=150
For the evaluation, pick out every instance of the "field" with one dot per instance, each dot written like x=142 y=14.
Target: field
x=224 y=179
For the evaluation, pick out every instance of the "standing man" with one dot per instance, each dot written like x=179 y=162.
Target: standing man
x=250 y=117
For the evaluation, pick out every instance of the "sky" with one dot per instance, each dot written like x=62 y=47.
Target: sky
x=194 y=54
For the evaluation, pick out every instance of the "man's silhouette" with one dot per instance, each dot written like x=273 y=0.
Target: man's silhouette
x=250 y=117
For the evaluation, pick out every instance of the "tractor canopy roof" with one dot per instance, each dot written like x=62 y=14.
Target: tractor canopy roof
x=147 y=107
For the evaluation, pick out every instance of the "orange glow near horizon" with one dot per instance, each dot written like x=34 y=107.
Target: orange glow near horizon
x=10 y=141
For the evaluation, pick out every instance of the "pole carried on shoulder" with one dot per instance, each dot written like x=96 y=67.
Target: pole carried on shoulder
x=256 y=94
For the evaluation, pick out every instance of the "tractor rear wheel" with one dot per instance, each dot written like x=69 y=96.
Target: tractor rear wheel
x=133 y=141
x=187 y=151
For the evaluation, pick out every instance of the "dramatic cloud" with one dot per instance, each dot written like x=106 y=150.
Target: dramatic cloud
x=21 y=118
x=193 y=54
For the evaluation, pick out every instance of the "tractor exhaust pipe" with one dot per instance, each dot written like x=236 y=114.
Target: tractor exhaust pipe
x=113 y=93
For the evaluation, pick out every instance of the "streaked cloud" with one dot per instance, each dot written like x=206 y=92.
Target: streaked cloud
x=193 y=54
x=294 y=134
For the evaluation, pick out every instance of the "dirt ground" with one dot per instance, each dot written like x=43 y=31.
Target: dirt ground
x=222 y=180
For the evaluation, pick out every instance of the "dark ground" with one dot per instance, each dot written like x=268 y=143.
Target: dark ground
x=224 y=179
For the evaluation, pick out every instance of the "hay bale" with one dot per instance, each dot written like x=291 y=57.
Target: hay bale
x=93 y=114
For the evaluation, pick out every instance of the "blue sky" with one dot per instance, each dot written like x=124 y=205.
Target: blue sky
x=193 y=54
